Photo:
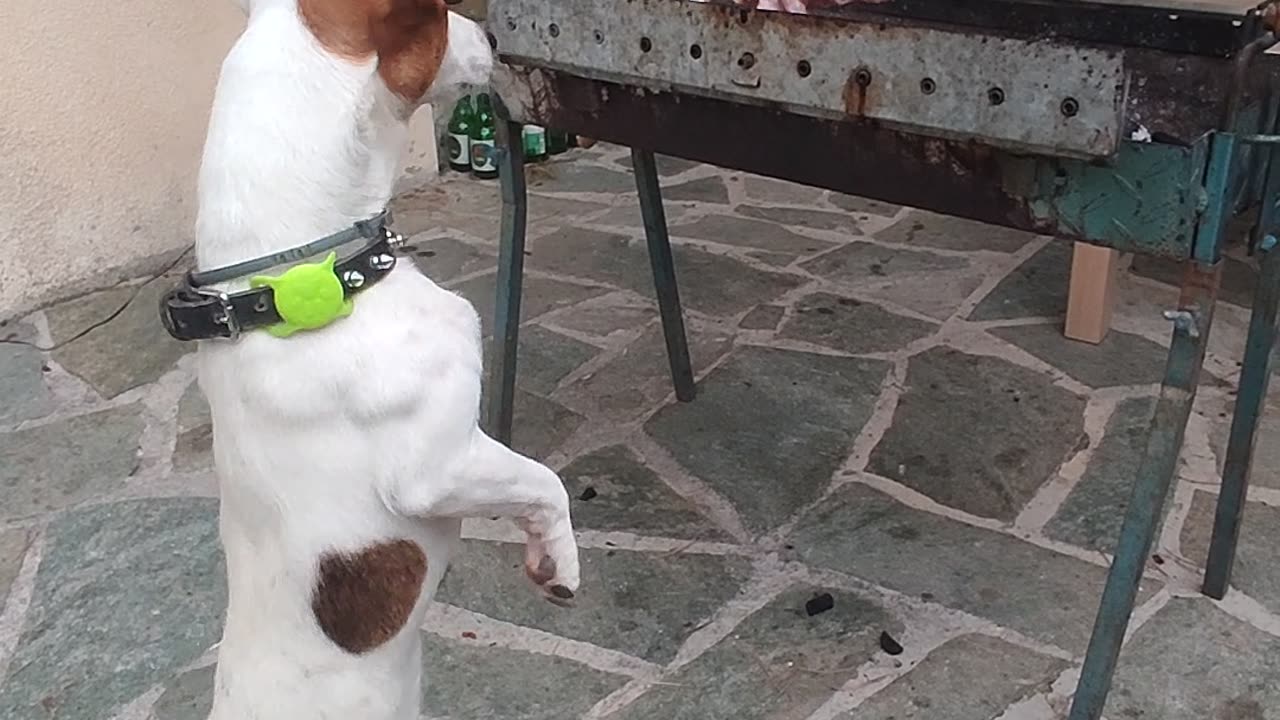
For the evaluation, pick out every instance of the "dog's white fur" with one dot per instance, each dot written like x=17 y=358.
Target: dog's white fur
x=364 y=431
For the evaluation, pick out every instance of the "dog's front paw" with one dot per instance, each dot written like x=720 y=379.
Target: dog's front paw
x=551 y=562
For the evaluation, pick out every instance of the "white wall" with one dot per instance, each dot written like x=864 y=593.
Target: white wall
x=103 y=108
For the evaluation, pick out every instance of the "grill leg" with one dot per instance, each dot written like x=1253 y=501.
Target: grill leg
x=1155 y=476
x=664 y=272
x=1250 y=400
x=510 y=280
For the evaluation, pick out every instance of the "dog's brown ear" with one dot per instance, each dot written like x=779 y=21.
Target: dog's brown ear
x=408 y=36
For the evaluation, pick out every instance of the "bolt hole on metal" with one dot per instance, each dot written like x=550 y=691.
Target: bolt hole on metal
x=946 y=83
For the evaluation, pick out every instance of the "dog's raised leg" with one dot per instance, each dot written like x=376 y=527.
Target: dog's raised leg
x=490 y=479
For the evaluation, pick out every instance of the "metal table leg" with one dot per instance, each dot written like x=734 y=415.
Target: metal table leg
x=664 y=272
x=1192 y=322
x=510 y=280
x=1254 y=377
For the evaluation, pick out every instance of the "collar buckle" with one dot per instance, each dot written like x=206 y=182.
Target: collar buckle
x=226 y=314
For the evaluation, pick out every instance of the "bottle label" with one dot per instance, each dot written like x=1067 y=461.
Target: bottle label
x=535 y=141
x=460 y=148
x=482 y=156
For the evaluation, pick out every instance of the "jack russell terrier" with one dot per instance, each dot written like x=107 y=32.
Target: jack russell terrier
x=344 y=387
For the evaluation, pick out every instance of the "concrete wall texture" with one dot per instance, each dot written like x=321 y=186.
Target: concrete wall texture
x=103 y=110
x=103 y=107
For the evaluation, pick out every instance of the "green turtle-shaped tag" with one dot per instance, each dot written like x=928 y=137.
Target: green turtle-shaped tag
x=308 y=296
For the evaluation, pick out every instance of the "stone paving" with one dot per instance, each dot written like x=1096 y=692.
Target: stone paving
x=893 y=497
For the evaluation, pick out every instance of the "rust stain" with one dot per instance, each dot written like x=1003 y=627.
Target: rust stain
x=1200 y=284
x=855 y=96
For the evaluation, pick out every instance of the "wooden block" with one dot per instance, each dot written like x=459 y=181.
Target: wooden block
x=1094 y=272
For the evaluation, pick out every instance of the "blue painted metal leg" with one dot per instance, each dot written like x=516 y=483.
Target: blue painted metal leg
x=664 y=272
x=1155 y=475
x=510 y=281
x=1254 y=377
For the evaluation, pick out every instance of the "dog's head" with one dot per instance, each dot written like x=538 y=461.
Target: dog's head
x=424 y=52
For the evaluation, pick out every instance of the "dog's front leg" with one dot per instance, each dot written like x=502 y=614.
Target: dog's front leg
x=490 y=479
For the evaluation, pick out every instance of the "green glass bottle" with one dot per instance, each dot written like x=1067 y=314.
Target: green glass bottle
x=459 y=140
x=557 y=141
x=535 y=143
x=484 y=161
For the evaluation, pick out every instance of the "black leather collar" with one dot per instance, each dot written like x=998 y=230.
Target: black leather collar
x=195 y=311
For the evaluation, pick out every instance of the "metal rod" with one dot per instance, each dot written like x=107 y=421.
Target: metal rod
x=1239 y=72
x=664 y=272
x=1207 y=246
x=1155 y=476
x=1250 y=398
x=510 y=280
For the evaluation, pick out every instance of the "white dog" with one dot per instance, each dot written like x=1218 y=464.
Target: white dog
x=347 y=454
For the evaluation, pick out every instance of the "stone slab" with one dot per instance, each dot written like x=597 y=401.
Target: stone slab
x=540 y=296
x=1194 y=662
x=803 y=217
x=22 y=378
x=108 y=358
x=743 y=232
x=187 y=697
x=864 y=261
x=1239 y=278
x=1256 y=572
x=469 y=680
x=547 y=211
x=926 y=229
x=570 y=177
x=972 y=677
x=444 y=258
x=544 y=358
x=13 y=547
x=1265 y=470
x=627 y=215
x=852 y=326
x=1091 y=515
x=539 y=425
x=1120 y=359
x=459 y=203
x=640 y=378
x=703 y=190
x=779 y=664
x=58 y=465
x=866 y=206
x=610 y=489
x=709 y=283
x=193 y=449
x=125 y=594
x=668 y=166
x=1036 y=288
x=730 y=437
x=930 y=284
x=779 y=191
x=762 y=317
x=1021 y=428
x=642 y=604
x=1047 y=596
x=604 y=316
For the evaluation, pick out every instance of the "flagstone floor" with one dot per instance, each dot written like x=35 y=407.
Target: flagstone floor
x=893 y=498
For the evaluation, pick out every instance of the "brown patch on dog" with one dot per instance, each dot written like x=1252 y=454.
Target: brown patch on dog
x=408 y=36
x=361 y=600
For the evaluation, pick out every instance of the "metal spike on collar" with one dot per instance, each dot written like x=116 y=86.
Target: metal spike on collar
x=394 y=239
x=382 y=261
x=353 y=279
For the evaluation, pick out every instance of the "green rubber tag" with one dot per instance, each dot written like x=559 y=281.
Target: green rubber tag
x=308 y=296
